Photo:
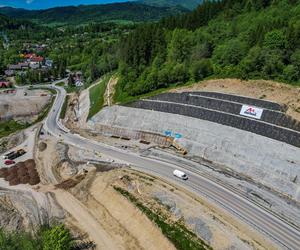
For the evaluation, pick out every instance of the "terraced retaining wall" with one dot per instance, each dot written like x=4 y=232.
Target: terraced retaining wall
x=269 y=116
x=265 y=129
x=242 y=99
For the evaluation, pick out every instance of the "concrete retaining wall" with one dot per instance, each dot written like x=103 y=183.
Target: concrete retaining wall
x=254 y=126
x=269 y=116
x=245 y=100
x=273 y=163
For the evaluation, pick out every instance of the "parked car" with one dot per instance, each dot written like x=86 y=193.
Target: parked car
x=9 y=162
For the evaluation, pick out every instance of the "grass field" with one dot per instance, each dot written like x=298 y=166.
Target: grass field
x=9 y=127
x=64 y=108
x=69 y=89
x=97 y=97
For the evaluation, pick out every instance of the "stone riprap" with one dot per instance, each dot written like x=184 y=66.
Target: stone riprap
x=261 y=128
x=243 y=99
x=270 y=116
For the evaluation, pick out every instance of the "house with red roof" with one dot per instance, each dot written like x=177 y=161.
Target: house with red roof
x=5 y=84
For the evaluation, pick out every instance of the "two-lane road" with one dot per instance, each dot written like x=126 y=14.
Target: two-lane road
x=285 y=235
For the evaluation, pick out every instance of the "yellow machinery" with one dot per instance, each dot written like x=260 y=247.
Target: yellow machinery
x=174 y=144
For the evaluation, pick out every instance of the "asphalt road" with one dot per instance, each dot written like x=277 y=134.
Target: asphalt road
x=285 y=235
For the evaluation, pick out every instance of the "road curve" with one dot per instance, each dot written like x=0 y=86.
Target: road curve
x=282 y=233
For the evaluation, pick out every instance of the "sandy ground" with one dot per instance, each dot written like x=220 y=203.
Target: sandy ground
x=110 y=91
x=46 y=161
x=18 y=105
x=28 y=145
x=86 y=221
x=268 y=90
x=131 y=229
x=146 y=235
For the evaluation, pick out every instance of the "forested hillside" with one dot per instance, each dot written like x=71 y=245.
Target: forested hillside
x=128 y=11
x=188 y=4
x=231 y=38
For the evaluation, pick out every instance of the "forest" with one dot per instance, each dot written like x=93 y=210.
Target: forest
x=83 y=14
x=257 y=39
x=248 y=39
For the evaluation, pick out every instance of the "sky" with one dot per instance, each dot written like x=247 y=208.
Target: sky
x=44 y=4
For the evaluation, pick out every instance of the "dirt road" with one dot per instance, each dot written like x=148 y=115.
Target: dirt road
x=86 y=221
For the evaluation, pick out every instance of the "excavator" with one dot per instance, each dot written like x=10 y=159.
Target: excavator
x=176 y=145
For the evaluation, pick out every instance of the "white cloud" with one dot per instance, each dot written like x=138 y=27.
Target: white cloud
x=29 y=1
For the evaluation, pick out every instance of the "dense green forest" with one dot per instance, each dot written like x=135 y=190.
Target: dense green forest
x=188 y=4
x=257 y=39
x=118 y=12
x=248 y=39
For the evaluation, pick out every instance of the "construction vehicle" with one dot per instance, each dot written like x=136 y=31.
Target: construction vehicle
x=176 y=145
x=17 y=154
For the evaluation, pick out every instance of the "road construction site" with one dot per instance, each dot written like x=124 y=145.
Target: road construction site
x=243 y=187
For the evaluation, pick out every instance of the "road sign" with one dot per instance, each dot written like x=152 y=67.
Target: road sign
x=168 y=133
x=251 y=111
x=178 y=136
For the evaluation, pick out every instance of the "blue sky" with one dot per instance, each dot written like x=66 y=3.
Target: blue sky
x=43 y=4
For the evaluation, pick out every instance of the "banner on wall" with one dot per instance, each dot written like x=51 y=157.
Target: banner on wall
x=251 y=111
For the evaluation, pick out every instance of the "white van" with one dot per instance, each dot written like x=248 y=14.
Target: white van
x=180 y=174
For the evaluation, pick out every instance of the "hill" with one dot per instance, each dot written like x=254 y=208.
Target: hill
x=7 y=23
x=256 y=39
x=188 y=4
x=128 y=11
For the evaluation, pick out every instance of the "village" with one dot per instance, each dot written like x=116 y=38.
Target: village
x=33 y=68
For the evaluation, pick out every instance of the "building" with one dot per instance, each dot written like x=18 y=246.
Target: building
x=9 y=72
x=14 y=67
x=49 y=63
x=5 y=84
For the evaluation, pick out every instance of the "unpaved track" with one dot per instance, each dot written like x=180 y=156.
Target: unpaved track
x=86 y=221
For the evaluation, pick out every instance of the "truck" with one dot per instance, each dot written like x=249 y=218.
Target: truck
x=5 y=157
x=180 y=174
x=17 y=154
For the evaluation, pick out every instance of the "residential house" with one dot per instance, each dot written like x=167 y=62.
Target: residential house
x=49 y=63
x=9 y=73
x=5 y=84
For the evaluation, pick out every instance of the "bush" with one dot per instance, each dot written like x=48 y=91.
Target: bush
x=290 y=73
x=47 y=238
x=201 y=69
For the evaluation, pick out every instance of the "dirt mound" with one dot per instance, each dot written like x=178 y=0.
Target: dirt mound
x=11 y=141
x=21 y=173
x=42 y=146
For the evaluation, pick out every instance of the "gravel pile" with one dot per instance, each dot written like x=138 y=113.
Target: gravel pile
x=200 y=228
x=169 y=203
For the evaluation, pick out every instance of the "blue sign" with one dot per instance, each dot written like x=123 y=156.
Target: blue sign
x=168 y=133
x=178 y=136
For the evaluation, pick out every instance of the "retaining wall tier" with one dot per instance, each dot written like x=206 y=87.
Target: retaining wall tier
x=269 y=116
x=255 y=126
